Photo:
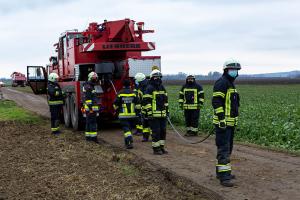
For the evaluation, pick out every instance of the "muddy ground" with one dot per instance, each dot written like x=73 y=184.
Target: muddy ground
x=38 y=165
x=261 y=174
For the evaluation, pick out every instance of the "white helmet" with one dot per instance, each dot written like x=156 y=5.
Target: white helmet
x=53 y=77
x=92 y=75
x=190 y=76
x=155 y=73
x=140 y=77
x=231 y=64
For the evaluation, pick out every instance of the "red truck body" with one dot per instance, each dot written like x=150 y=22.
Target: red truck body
x=113 y=49
x=18 y=79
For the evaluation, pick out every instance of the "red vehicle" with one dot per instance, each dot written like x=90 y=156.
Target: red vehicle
x=18 y=79
x=112 y=49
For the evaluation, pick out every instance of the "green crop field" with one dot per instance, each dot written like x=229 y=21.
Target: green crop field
x=269 y=114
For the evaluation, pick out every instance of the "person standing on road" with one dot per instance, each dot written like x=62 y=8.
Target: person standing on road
x=225 y=103
x=191 y=99
x=142 y=83
x=126 y=104
x=139 y=77
x=55 y=101
x=91 y=107
x=156 y=109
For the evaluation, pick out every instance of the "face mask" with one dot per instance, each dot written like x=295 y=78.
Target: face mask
x=233 y=73
x=157 y=81
x=136 y=82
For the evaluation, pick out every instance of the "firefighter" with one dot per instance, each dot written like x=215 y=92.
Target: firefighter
x=126 y=105
x=141 y=83
x=55 y=101
x=139 y=77
x=91 y=108
x=155 y=106
x=225 y=102
x=191 y=99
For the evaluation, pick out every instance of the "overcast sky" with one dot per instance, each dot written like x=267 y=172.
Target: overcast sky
x=192 y=36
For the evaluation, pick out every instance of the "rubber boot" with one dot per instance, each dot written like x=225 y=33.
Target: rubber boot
x=128 y=142
x=162 y=148
x=188 y=133
x=232 y=176
x=157 y=151
x=193 y=133
x=226 y=183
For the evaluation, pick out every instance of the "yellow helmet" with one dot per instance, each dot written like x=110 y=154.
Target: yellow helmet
x=154 y=67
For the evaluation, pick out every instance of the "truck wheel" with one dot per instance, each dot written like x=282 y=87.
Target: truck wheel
x=76 y=116
x=67 y=113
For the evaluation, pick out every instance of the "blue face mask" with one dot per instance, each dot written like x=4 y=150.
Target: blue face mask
x=136 y=82
x=233 y=73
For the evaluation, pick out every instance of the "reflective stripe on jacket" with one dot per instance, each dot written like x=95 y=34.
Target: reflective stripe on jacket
x=127 y=103
x=90 y=102
x=155 y=101
x=55 y=94
x=225 y=102
x=191 y=97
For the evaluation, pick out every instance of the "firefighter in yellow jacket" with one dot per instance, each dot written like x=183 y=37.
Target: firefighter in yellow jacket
x=55 y=101
x=191 y=99
x=156 y=109
x=91 y=107
x=226 y=104
x=127 y=104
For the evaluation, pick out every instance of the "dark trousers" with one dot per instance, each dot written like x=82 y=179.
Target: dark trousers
x=127 y=125
x=146 y=129
x=159 y=130
x=192 y=119
x=224 y=143
x=139 y=124
x=91 y=126
x=55 y=114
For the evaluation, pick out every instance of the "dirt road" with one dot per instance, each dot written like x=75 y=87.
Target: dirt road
x=261 y=174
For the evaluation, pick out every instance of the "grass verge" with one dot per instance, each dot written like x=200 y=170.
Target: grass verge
x=9 y=111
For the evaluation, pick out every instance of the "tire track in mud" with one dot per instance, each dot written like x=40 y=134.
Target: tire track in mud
x=261 y=174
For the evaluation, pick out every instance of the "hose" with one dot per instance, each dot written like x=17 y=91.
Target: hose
x=113 y=86
x=183 y=138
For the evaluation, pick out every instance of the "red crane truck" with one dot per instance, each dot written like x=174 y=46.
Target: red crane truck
x=113 y=49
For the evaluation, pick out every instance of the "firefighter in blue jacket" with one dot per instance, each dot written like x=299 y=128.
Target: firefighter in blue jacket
x=127 y=105
x=91 y=107
x=225 y=102
x=55 y=101
x=191 y=99
x=156 y=109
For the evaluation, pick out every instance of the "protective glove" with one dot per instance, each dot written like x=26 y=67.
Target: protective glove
x=222 y=124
